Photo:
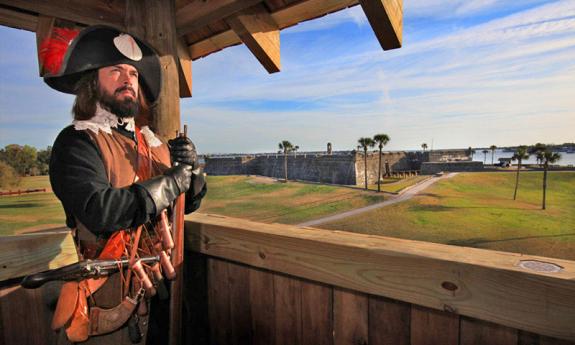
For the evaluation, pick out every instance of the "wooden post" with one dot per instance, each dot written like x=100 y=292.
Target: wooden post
x=154 y=22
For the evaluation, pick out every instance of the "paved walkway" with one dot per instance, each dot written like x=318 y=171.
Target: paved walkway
x=402 y=196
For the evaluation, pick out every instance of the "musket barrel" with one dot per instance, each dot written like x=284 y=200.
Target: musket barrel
x=82 y=270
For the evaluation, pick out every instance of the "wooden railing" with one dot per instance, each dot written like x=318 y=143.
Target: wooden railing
x=279 y=284
x=254 y=283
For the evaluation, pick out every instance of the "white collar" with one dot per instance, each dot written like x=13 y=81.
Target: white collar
x=104 y=121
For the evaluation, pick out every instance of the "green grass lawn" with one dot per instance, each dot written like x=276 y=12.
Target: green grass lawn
x=255 y=198
x=478 y=210
x=266 y=200
x=29 y=212
x=473 y=209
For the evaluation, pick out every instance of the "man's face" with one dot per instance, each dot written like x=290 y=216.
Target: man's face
x=119 y=89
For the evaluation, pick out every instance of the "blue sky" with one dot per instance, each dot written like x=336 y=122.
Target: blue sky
x=470 y=73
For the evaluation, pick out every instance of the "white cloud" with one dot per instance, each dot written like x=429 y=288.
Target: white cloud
x=442 y=9
x=490 y=83
x=504 y=81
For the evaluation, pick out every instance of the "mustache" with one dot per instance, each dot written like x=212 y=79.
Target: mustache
x=124 y=88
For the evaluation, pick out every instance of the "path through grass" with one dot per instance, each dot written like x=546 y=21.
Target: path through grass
x=395 y=185
x=477 y=210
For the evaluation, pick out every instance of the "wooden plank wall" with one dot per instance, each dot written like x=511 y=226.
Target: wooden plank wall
x=247 y=305
x=25 y=315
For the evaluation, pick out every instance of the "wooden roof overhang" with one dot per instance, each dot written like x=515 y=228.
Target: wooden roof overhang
x=186 y=30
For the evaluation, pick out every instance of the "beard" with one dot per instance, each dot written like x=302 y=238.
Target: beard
x=127 y=107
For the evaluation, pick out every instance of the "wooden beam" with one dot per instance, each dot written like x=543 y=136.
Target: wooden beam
x=32 y=253
x=153 y=21
x=198 y=14
x=79 y=11
x=286 y=17
x=184 y=68
x=213 y=44
x=260 y=34
x=487 y=285
x=308 y=10
x=386 y=19
x=18 y=20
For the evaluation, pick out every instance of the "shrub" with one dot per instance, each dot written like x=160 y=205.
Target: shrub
x=8 y=176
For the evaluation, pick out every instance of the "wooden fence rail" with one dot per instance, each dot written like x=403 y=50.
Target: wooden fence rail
x=18 y=192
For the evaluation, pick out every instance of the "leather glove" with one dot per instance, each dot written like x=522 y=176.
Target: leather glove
x=165 y=188
x=183 y=150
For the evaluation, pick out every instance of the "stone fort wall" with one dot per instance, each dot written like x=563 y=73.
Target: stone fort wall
x=346 y=168
x=335 y=169
x=429 y=168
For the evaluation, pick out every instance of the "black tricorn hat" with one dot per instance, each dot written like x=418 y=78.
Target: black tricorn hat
x=67 y=54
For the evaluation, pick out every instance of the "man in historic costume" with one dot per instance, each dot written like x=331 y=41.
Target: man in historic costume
x=115 y=178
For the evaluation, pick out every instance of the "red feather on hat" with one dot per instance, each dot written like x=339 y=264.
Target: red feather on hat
x=54 y=47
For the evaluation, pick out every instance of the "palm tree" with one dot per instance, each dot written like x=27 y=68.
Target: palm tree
x=286 y=147
x=538 y=150
x=492 y=148
x=519 y=155
x=364 y=143
x=424 y=146
x=381 y=140
x=548 y=157
x=485 y=155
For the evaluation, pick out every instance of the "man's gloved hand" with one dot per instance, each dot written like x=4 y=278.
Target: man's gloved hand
x=182 y=175
x=183 y=150
x=165 y=188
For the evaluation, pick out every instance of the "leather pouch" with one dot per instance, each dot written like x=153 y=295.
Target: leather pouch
x=79 y=327
x=66 y=305
x=104 y=321
x=68 y=300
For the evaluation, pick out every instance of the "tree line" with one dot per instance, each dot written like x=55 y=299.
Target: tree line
x=22 y=160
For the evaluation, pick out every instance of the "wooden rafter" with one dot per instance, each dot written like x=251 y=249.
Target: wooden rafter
x=17 y=19
x=260 y=34
x=213 y=44
x=184 y=69
x=308 y=10
x=284 y=18
x=204 y=27
x=386 y=19
x=198 y=14
x=83 y=12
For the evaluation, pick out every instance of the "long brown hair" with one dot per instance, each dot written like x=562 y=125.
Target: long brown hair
x=88 y=94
